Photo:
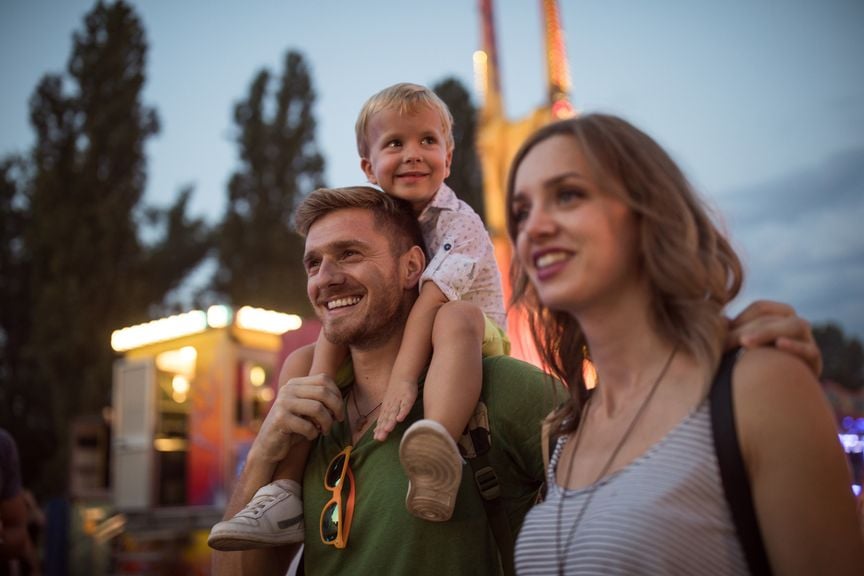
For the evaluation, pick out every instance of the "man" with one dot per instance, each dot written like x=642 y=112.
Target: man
x=14 y=542
x=363 y=259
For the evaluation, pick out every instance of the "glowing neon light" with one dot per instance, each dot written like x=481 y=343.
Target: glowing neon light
x=159 y=330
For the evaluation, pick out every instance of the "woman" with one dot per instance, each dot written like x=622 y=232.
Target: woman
x=616 y=257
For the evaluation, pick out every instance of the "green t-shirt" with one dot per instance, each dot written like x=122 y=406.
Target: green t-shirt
x=385 y=538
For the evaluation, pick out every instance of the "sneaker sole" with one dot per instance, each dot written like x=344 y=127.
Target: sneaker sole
x=434 y=468
x=232 y=541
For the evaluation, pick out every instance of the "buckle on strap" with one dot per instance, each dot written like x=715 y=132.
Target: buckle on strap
x=487 y=483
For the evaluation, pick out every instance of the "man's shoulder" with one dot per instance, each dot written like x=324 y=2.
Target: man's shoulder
x=504 y=366
x=510 y=380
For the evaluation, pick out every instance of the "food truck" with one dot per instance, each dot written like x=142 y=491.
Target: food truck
x=189 y=393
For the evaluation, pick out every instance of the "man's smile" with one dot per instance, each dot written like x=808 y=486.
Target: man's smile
x=343 y=302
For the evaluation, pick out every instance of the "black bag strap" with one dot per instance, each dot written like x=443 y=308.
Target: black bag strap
x=736 y=484
x=475 y=445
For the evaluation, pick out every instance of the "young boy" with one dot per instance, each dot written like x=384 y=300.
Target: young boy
x=405 y=142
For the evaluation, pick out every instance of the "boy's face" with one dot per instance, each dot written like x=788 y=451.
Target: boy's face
x=408 y=155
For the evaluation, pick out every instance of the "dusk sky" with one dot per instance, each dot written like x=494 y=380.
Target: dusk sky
x=761 y=102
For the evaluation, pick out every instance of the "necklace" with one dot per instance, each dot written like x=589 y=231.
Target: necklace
x=562 y=551
x=362 y=418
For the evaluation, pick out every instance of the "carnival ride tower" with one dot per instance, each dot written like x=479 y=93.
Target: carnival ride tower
x=499 y=137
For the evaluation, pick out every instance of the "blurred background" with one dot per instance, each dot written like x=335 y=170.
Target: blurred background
x=151 y=154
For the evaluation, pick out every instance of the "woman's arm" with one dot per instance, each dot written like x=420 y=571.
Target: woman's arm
x=798 y=471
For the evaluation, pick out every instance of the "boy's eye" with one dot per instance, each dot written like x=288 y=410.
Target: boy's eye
x=428 y=140
x=394 y=143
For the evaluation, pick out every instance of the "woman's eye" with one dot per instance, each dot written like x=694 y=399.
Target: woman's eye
x=567 y=195
x=519 y=214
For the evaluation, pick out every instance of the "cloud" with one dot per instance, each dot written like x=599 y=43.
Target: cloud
x=802 y=240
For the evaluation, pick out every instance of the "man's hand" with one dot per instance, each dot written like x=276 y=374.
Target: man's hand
x=765 y=323
x=304 y=408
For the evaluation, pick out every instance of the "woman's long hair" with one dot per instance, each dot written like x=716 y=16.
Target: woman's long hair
x=691 y=268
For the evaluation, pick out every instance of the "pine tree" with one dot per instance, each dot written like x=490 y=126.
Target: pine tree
x=466 y=178
x=87 y=269
x=259 y=254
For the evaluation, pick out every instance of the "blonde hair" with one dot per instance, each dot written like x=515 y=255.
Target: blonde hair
x=691 y=268
x=405 y=98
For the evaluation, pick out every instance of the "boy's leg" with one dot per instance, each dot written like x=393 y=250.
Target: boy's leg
x=274 y=516
x=428 y=450
x=455 y=376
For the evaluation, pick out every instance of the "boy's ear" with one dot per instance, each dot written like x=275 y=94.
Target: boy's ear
x=413 y=263
x=447 y=163
x=366 y=166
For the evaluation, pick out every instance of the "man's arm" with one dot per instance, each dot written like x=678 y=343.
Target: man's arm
x=304 y=407
x=766 y=323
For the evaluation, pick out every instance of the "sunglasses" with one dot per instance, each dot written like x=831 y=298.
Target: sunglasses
x=336 y=516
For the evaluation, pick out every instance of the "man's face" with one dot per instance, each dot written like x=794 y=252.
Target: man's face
x=354 y=281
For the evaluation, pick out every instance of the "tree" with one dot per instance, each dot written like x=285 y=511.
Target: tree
x=842 y=356
x=259 y=254
x=80 y=252
x=466 y=177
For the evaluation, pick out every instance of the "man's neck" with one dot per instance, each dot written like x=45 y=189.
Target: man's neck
x=372 y=367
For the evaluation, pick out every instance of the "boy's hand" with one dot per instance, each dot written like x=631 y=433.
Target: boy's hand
x=766 y=323
x=396 y=406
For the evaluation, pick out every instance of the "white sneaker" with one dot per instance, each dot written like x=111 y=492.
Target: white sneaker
x=273 y=517
x=433 y=465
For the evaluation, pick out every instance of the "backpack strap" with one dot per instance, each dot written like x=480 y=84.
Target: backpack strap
x=547 y=448
x=736 y=484
x=475 y=445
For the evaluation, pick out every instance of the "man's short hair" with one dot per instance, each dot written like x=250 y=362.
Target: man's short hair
x=405 y=98
x=393 y=216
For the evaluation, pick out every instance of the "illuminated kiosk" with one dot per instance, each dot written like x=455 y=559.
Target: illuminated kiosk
x=188 y=395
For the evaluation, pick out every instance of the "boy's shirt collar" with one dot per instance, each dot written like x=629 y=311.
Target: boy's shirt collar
x=444 y=199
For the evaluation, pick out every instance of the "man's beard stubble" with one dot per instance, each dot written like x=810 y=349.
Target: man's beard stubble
x=382 y=322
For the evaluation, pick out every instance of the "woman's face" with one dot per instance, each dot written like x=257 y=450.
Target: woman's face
x=576 y=242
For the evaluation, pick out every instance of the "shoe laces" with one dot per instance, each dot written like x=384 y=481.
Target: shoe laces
x=256 y=507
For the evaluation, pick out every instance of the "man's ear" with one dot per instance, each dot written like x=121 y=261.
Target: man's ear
x=366 y=166
x=413 y=263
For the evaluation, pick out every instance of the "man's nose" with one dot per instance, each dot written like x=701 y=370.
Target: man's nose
x=329 y=272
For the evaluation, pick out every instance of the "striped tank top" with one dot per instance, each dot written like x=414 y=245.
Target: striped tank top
x=664 y=513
